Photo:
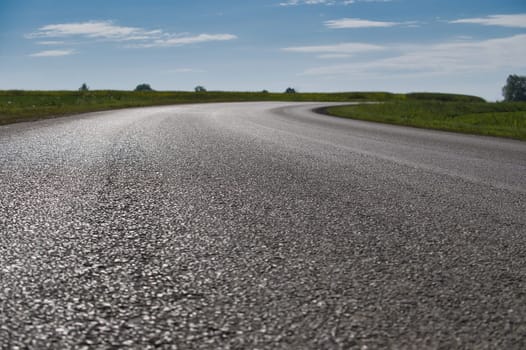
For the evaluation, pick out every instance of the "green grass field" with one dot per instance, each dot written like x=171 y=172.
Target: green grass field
x=450 y=112
x=474 y=117
x=17 y=106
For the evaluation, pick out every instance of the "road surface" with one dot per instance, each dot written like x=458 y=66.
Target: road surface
x=258 y=226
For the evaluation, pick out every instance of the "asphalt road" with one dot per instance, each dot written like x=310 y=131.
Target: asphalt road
x=258 y=226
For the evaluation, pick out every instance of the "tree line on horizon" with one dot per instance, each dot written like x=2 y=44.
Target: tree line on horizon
x=513 y=91
x=198 y=88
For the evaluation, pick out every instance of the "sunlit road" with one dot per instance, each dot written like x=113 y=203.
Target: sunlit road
x=258 y=225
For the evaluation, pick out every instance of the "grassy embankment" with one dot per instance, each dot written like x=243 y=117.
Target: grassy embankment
x=444 y=112
x=17 y=106
x=437 y=111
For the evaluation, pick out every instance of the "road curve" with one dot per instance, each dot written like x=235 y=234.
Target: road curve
x=258 y=226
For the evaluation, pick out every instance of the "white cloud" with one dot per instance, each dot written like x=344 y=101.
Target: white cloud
x=50 y=43
x=307 y=2
x=326 y=2
x=140 y=37
x=332 y=56
x=336 y=51
x=186 y=70
x=185 y=40
x=342 y=48
x=447 y=58
x=53 y=53
x=350 y=2
x=90 y=29
x=358 y=23
x=513 y=21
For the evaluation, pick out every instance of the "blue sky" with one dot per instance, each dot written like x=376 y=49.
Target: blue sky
x=467 y=46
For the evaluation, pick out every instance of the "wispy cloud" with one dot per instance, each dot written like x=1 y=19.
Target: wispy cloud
x=334 y=56
x=50 y=43
x=326 y=2
x=358 y=23
x=53 y=53
x=92 y=29
x=350 y=2
x=140 y=37
x=342 y=48
x=444 y=58
x=336 y=51
x=307 y=2
x=185 y=40
x=512 y=21
x=186 y=70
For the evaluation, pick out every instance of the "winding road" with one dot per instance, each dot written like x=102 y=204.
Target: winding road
x=258 y=226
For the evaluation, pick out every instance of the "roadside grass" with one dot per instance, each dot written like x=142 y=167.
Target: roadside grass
x=467 y=116
x=20 y=105
x=461 y=113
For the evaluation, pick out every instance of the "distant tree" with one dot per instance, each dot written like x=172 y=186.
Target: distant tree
x=200 y=88
x=264 y=92
x=515 y=88
x=290 y=90
x=143 y=87
x=84 y=87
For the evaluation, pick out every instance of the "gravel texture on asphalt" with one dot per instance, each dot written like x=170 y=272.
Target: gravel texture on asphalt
x=258 y=226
